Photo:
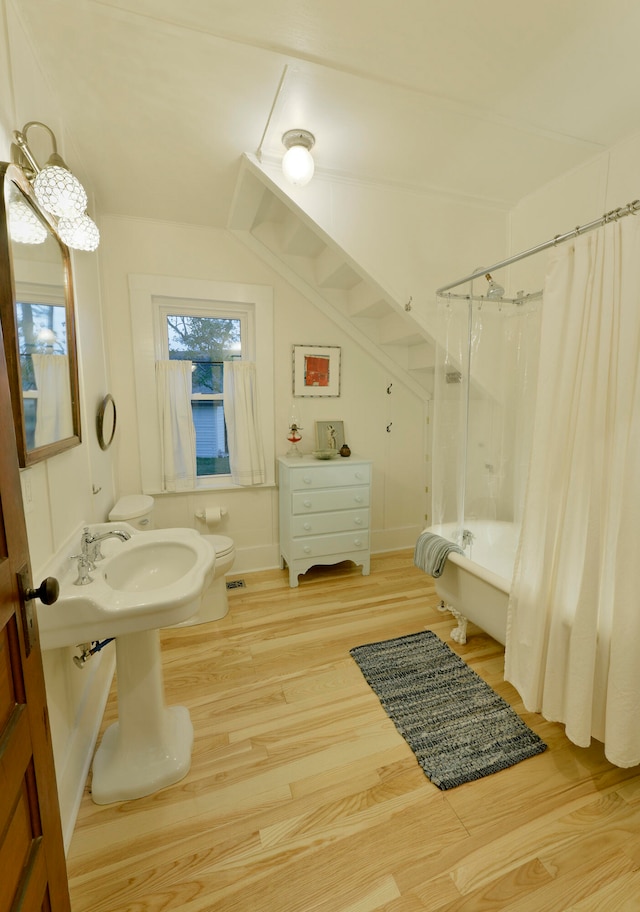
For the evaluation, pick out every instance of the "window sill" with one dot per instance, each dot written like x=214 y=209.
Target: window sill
x=225 y=485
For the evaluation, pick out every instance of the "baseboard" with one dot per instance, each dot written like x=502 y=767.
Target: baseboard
x=394 y=539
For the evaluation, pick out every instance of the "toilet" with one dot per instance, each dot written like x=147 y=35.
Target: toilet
x=137 y=510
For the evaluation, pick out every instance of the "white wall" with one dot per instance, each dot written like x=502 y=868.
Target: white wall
x=410 y=242
x=399 y=498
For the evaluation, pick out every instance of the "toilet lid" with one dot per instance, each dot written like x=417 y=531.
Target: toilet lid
x=222 y=544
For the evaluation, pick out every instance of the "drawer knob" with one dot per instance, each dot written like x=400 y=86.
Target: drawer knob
x=358 y=474
x=306 y=479
x=307 y=526
x=307 y=503
x=358 y=498
x=307 y=549
x=358 y=520
x=357 y=542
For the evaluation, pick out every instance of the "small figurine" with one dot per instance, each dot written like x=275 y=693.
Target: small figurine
x=344 y=450
x=294 y=437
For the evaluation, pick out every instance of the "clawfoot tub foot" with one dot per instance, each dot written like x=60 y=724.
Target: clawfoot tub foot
x=459 y=633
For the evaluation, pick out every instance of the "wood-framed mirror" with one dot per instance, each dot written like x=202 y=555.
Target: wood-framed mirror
x=38 y=324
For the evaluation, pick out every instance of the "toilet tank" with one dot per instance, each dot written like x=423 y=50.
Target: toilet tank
x=136 y=509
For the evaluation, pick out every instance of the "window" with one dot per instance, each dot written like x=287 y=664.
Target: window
x=206 y=323
x=207 y=342
x=41 y=330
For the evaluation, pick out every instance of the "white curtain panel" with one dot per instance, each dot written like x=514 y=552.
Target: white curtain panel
x=573 y=636
x=177 y=433
x=241 y=413
x=54 y=420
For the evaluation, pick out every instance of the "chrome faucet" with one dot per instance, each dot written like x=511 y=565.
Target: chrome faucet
x=90 y=544
x=90 y=552
x=467 y=538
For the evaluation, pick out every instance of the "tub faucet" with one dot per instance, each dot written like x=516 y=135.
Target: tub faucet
x=466 y=538
x=90 y=544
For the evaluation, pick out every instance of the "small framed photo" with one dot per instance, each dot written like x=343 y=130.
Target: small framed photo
x=316 y=370
x=329 y=435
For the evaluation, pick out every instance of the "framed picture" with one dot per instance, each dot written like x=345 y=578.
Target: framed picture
x=316 y=370
x=329 y=435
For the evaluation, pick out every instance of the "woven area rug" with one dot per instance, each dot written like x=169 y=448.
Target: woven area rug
x=456 y=725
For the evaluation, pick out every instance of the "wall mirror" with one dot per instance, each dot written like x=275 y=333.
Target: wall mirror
x=38 y=324
x=106 y=422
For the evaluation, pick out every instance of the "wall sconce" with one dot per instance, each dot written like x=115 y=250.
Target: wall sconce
x=297 y=164
x=58 y=191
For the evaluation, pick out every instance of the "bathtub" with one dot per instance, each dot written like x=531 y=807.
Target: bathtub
x=475 y=586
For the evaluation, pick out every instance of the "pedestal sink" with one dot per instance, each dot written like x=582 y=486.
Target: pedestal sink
x=153 y=580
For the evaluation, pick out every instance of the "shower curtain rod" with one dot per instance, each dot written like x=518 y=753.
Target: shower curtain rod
x=613 y=216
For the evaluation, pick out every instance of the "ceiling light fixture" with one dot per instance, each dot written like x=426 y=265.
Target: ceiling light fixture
x=297 y=164
x=58 y=191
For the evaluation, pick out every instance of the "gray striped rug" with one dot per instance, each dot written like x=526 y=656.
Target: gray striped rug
x=456 y=725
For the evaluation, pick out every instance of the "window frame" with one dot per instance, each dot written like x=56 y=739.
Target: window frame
x=152 y=298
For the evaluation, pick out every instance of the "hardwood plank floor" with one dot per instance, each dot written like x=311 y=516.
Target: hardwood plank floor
x=302 y=797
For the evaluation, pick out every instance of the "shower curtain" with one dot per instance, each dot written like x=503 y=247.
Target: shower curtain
x=573 y=634
x=484 y=392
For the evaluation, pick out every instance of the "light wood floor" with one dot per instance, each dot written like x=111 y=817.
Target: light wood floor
x=302 y=797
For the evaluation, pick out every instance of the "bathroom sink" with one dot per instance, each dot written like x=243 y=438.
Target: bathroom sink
x=155 y=579
x=152 y=565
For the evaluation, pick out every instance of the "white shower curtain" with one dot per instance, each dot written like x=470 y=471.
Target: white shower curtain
x=241 y=413
x=573 y=638
x=54 y=420
x=177 y=433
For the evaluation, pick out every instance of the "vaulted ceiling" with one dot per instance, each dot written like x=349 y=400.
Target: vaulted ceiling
x=483 y=99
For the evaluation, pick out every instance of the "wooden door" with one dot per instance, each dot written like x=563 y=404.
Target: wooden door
x=32 y=864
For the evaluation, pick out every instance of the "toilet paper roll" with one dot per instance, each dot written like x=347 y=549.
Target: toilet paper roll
x=213 y=515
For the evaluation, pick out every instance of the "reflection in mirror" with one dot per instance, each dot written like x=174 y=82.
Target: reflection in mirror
x=37 y=315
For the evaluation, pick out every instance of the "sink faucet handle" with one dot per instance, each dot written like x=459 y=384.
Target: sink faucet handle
x=84 y=566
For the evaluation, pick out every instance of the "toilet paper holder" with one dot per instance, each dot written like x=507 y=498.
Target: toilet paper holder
x=211 y=515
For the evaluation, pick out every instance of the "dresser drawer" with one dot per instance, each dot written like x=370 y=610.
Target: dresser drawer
x=329 y=476
x=336 y=499
x=342 y=543
x=321 y=523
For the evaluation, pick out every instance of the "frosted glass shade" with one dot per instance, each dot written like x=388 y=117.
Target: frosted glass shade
x=60 y=192
x=24 y=225
x=79 y=233
x=298 y=166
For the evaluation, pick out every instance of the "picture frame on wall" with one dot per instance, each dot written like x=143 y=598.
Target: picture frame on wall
x=329 y=435
x=316 y=370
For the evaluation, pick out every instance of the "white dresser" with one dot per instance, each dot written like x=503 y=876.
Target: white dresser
x=324 y=512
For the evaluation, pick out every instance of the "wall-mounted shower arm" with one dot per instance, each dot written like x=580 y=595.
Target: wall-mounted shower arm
x=612 y=216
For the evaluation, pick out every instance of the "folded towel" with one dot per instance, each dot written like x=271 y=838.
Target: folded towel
x=432 y=551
